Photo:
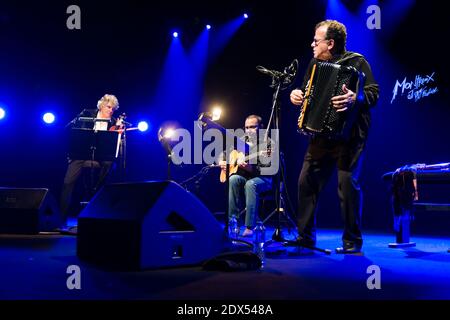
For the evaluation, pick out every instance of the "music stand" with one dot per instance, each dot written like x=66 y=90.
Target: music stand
x=93 y=145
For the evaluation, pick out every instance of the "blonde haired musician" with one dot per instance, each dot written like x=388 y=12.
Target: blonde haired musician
x=106 y=107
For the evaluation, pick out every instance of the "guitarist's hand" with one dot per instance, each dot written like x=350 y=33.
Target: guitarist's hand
x=223 y=165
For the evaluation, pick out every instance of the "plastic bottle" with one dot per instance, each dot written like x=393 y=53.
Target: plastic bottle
x=260 y=239
x=233 y=228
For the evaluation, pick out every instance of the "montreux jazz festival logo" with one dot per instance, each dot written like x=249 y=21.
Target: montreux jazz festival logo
x=421 y=87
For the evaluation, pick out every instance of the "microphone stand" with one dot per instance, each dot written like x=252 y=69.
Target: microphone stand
x=169 y=160
x=123 y=146
x=93 y=149
x=277 y=80
x=74 y=120
x=280 y=81
x=124 y=153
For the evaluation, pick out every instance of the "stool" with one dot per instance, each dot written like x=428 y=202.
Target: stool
x=270 y=196
x=406 y=206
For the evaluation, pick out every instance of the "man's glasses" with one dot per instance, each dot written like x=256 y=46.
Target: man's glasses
x=316 y=42
x=251 y=127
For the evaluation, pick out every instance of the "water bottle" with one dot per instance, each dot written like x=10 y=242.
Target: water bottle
x=260 y=239
x=233 y=228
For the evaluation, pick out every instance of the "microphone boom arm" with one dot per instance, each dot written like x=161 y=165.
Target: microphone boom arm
x=286 y=77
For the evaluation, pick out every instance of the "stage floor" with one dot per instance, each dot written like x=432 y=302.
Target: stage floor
x=34 y=267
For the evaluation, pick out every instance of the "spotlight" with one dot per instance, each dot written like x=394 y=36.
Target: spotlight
x=175 y=34
x=165 y=133
x=208 y=26
x=168 y=133
x=216 y=113
x=143 y=126
x=209 y=118
x=2 y=113
x=164 y=136
x=245 y=16
x=48 y=118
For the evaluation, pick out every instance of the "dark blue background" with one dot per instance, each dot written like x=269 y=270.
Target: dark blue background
x=122 y=48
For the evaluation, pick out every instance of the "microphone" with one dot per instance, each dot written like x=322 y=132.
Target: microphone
x=272 y=73
x=125 y=122
x=74 y=120
x=287 y=76
x=122 y=118
x=291 y=71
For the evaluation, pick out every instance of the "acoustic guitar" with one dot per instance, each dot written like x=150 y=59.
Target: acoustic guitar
x=237 y=158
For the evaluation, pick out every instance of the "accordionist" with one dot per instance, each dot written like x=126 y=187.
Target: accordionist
x=325 y=153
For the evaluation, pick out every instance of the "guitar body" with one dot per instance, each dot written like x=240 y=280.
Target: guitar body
x=236 y=158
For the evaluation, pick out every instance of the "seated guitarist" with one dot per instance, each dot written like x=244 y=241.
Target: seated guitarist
x=247 y=183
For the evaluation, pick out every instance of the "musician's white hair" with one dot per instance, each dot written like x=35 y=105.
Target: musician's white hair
x=108 y=98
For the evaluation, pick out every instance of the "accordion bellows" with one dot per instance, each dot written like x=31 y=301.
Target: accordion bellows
x=318 y=116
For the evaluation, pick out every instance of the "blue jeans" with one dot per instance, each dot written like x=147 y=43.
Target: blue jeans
x=246 y=191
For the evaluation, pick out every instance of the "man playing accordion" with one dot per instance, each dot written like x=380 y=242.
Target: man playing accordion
x=325 y=153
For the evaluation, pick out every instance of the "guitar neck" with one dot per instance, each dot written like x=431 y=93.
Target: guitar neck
x=255 y=155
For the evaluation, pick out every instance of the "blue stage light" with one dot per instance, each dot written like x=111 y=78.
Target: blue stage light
x=175 y=34
x=208 y=26
x=245 y=16
x=2 y=113
x=143 y=126
x=48 y=118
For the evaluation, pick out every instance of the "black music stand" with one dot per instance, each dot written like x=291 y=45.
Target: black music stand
x=93 y=145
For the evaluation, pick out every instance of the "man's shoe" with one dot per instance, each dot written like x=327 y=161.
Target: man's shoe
x=301 y=242
x=349 y=248
x=305 y=242
x=72 y=231
x=61 y=229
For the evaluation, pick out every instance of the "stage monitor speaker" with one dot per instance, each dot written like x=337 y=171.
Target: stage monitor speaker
x=27 y=211
x=147 y=225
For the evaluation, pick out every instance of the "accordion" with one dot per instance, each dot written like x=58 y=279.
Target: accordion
x=318 y=116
